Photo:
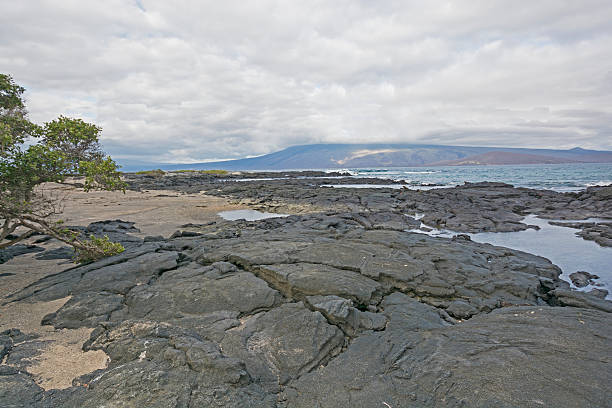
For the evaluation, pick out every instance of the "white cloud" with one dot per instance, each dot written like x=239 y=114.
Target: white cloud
x=193 y=81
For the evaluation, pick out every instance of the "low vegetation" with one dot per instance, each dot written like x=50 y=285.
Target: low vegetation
x=217 y=172
x=154 y=173
x=95 y=248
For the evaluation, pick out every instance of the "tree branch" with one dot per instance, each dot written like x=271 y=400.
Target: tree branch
x=16 y=240
x=43 y=228
x=7 y=229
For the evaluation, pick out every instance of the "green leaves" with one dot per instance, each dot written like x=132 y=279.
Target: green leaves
x=64 y=147
x=14 y=126
x=96 y=248
x=74 y=133
x=10 y=94
x=102 y=174
x=76 y=139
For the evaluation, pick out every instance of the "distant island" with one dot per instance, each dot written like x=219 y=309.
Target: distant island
x=338 y=156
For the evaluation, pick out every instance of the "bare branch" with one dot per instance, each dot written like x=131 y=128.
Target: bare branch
x=8 y=229
x=44 y=228
x=16 y=240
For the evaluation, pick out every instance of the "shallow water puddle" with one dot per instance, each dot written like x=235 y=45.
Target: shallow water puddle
x=569 y=252
x=248 y=215
x=559 y=244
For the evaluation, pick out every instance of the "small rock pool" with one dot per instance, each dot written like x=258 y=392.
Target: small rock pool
x=559 y=244
x=248 y=215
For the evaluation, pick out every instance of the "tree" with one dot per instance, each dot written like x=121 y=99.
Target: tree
x=57 y=150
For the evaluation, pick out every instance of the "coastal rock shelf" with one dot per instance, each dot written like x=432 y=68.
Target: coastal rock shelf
x=329 y=310
x=337 y=305
x=471 y=208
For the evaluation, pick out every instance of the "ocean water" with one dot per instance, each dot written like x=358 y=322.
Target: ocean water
x=558 y=177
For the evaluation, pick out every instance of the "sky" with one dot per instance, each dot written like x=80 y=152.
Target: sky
x=191 y=81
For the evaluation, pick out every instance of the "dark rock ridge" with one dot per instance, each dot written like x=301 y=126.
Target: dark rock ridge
x=115 y=230
x=330 y=309
x=582 y=279
x=473 y=207
x=19 y=249
x=600 y=232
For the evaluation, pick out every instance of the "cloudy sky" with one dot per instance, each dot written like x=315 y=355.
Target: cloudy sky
x=186 y=81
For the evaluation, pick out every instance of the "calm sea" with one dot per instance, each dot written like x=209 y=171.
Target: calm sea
x=559 y=177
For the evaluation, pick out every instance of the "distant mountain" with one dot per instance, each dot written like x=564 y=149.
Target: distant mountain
x=338 y=156
x=505 y=158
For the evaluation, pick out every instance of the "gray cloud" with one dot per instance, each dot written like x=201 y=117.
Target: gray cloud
x=193 y=81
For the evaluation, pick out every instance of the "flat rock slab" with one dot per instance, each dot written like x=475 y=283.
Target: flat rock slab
x=511 y=357
x=322 y=310
x=177 y=296
x=283 y=343
x=306 y=279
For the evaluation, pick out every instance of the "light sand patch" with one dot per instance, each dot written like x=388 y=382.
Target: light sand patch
x=154 y=212
x=61 y=359
x=64 y=360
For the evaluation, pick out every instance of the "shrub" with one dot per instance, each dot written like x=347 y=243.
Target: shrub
x=96 y=248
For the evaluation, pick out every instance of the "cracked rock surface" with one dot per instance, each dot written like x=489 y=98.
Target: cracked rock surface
x=332 y=309
x=473 y=207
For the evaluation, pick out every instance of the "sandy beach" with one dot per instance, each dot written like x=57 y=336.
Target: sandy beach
x=60 y=358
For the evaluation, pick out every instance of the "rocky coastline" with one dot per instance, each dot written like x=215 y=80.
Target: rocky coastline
x=336 y=305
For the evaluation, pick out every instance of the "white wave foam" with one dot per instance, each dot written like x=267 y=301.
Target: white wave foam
x=599 y=184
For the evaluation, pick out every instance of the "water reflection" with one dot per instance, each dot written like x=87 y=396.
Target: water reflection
x=248 y=215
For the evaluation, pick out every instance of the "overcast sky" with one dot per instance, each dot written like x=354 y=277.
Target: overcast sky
x=186 y=81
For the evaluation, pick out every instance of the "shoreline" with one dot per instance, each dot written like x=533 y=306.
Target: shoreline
x=341 y=264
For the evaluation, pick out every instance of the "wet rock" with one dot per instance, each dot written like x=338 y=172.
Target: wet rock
x=581 y=300
x=473 y=207
x=582 y=278
x=463 y=237
x=599 y=293
x=601 y=233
